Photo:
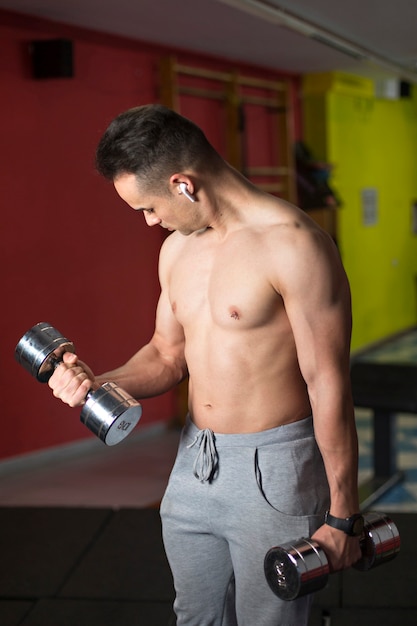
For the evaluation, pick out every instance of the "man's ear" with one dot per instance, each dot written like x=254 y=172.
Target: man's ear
x=184 y=185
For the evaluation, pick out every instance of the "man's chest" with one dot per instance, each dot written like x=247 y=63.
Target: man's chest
x=227 y=285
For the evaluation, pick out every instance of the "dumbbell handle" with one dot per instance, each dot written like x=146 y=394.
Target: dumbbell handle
x=301 y=567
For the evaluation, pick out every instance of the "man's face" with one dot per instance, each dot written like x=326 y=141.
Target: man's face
x=170 y=211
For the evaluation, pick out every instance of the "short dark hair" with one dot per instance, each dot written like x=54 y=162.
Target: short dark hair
x=152 y=142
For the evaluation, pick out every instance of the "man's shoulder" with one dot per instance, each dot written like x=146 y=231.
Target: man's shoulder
x=174 y=247
x=287 y=225
x=291 y=243
x=174 y=241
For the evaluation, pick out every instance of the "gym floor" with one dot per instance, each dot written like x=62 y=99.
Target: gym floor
x=131 y=474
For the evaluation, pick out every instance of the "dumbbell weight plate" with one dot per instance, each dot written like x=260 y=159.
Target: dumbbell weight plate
x=296 y=568
x=380 y=543
x=110 y=413
x=40 y=349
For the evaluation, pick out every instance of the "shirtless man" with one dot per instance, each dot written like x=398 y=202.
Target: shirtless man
x=255 y=309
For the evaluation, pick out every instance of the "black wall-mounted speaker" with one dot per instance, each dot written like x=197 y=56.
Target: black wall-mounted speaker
x=52 y=58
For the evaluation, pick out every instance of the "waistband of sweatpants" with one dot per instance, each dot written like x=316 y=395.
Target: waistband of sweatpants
x=300 y=429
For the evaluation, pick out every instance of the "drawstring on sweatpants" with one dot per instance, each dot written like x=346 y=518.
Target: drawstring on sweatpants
x=205 y=464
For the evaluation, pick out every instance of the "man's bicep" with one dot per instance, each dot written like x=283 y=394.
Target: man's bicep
x=168 y=337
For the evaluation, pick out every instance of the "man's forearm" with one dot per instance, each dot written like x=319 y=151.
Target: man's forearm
x=148 y=373
x=337 y=440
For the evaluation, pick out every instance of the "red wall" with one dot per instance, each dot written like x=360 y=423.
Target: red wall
x=72 y=253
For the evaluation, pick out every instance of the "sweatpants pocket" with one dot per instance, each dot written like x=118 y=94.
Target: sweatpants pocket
x=291 y=477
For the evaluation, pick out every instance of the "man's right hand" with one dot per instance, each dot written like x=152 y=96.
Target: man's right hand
x=71 y=380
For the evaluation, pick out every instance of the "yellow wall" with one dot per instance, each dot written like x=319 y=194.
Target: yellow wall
x=372 y=143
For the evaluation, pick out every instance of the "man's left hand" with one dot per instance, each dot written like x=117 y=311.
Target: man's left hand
x=341 y=550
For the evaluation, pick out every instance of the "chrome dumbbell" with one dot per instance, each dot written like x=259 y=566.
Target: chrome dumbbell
x=109 y=412
x=297 y=568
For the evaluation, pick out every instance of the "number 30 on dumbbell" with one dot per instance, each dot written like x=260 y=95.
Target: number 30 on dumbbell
x=297 y=568
x=109 y=412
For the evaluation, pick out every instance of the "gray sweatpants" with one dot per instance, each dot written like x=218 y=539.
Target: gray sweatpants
x=229 y=499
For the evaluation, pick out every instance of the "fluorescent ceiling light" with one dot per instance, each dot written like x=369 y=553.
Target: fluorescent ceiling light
x=276 y=15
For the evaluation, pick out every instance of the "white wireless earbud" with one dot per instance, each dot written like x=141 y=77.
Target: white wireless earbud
x=184 y=190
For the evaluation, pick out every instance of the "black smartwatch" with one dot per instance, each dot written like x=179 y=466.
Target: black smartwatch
x=352 y=526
